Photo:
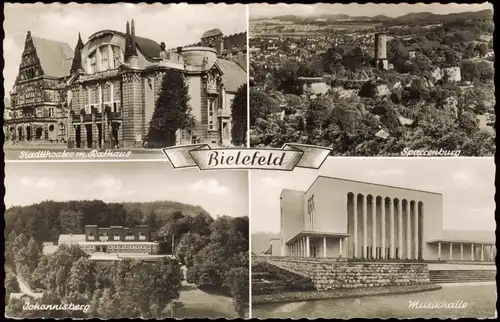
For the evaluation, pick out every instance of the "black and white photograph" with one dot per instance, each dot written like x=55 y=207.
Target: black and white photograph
x=125 y=240
x=375 y=238
x=124 y=76
x=373 y=79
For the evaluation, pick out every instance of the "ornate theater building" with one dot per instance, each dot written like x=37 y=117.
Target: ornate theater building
x=103 y=92
x=339 y=218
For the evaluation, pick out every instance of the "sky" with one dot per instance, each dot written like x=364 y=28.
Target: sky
x=218 y=192
x=174 y=24
x=467 y=185
x=354 y=9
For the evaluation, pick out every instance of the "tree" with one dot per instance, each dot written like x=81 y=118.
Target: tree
x=477 y=71
x=287 y=77
x=71 y=221
x=239 y=116
x=482 y=49
x=9 y=254
x=238 y=284
x=172 y=111
x=11 y=284
x=32 y=254
x=261 y=105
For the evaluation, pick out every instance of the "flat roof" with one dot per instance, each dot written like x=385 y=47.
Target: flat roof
x=460 y=241
x=114 y=243
x=303 y=234
x=371 y=183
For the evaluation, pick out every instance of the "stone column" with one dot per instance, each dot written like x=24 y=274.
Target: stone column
x=374 y=227
x=451 y=251
x=308 y=248
x=408 y=230
x=365 y=225
x=392 y=230
x=439 y=251
x=355 y=219
x=491 y=253
x=400 y=228
x=383 y=233
x=461 y=252
x=340 y=247
x=415 y=230
x=324 y=247
x=472 y=252
x=482 y=252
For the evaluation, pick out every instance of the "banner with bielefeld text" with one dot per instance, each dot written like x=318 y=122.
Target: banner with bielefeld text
x=291 y=155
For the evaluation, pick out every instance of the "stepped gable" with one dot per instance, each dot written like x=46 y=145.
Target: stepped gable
x=233 y=76
x=55 y=56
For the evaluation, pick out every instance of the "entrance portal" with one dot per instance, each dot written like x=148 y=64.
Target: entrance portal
x=28 y=133
x=88 y=127
x=78 y=138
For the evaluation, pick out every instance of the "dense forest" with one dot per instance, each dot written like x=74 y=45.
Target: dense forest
x=214 y=251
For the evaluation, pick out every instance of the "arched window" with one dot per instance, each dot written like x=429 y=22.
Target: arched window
x=104 y=58
x=92 y=63
x=116 y=236
x=117 y=56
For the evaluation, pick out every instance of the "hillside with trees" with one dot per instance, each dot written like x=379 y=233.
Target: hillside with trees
x=438 y=93
x=214 y=252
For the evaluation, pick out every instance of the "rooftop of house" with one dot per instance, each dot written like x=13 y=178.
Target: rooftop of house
x=233 y=76
x=211 y=33
x=55 y=56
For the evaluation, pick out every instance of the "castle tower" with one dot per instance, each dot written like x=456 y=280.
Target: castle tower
x=381 y=51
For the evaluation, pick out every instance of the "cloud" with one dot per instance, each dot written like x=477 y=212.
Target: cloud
x=272 y=181
x=211 y=186
x=109 y=187
x=43 y=182
x=389 y=173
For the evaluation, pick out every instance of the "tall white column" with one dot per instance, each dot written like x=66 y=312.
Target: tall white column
x=365 y=225
x=461 y=252
x=472 y=252
x=383 y=234
x=451 y=251
x=482 y=252
x=374 y=227
x=355 y=234
x=340 y=247
x=415 y=231
x=439 y=250
x=324 y=247
x=392 y=230
x=408 y=230
x=400 y=229
x=308 y=249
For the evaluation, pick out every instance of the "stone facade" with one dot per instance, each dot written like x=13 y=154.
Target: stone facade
x=334 y=275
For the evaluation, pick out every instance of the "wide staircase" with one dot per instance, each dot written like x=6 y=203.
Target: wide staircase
x=461 y=276
x=269 y=279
